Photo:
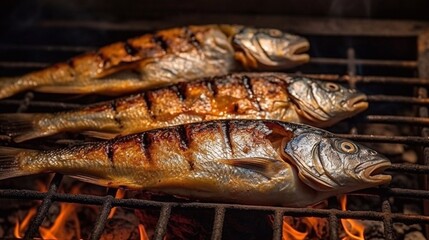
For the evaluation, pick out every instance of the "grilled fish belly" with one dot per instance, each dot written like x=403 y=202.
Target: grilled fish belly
x=228 y=161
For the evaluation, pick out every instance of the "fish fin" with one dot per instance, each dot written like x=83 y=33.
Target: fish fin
x=113 y=85
x=89 y=179
x=266 y=166
x=9 y=162
x=101 y=135
x=21 y=126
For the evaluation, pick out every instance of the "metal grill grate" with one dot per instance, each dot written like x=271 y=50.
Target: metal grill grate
x=419 y=101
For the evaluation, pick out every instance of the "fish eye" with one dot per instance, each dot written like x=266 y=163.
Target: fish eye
x=348 y=147
x=332 y=86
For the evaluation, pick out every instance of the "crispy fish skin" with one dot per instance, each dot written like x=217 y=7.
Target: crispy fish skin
x=242 y=161
x=164 y=57
x=240 y=95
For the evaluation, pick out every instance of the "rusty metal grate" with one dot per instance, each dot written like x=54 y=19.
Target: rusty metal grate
x=418 y=101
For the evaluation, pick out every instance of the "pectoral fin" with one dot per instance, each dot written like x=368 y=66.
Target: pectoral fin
x=265 y=166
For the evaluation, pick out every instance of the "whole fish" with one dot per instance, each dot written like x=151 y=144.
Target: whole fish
x=242 y=161
x=164 y=57
x=275 y=96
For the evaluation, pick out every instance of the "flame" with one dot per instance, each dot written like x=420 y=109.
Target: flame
x=142 y=232
x=19 y=228
x=120 y=193
x=58 y=229
x=68 y=213
x=290 y=233
x=353 y=228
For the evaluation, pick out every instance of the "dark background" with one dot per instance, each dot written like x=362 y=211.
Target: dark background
x=15 y=12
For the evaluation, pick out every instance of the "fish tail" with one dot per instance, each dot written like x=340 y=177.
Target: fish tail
x=24 y=126
x=12 y=85
x=10 y=162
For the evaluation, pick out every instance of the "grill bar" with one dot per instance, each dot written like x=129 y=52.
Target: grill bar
x=33 y=228
x=369 y=79
x=423 y=69
x=397 y=119
x=100 y=223
x=278 y=224
x=86 y=199
x=341 y=61
x=296 y=212
x=398 y=99
x=218 y=223
x=161 y=226
x=333 y=226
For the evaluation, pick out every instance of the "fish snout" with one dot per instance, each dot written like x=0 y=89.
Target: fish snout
x=298 y=47
x=373 y=173
x=358 y=102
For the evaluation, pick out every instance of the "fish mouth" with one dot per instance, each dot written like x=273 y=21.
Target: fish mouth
x=374 y=173
x=297 y=50
x=359 y=102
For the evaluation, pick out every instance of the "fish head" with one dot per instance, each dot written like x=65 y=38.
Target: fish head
x=331 y=164
x=322 y=103
x=271 y=48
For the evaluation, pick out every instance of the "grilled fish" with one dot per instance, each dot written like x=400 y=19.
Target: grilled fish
x=260 y=162
x=246 y=96
x=164 y=57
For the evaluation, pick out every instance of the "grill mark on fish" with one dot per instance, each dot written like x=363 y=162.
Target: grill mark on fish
x=109 y=152
x=179 y=89
x=249 y=88
x=226 y=135
x=184 y=143
x=235 y=108
x=191 y=38
x=130 y=49
x=104 y=60
x=183 y=137
x=113 y=106
x=211 y=85
x=145 y=143
x=148 y=103
x=160 y=41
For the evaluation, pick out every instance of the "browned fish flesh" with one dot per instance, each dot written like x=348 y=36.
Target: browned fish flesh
x=242 y=95
x=242 y=161
x=166 y=56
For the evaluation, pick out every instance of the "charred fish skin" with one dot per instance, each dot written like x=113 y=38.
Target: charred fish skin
x=233 y=96
x=163 y=57
x=239 y=161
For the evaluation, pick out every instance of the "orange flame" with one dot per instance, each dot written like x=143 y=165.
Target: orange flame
x=353 y=228
x=67 y=213
x=58 y=229
x=120 y=193
x=142 y=232
x=290 y=233
x=19 y=228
